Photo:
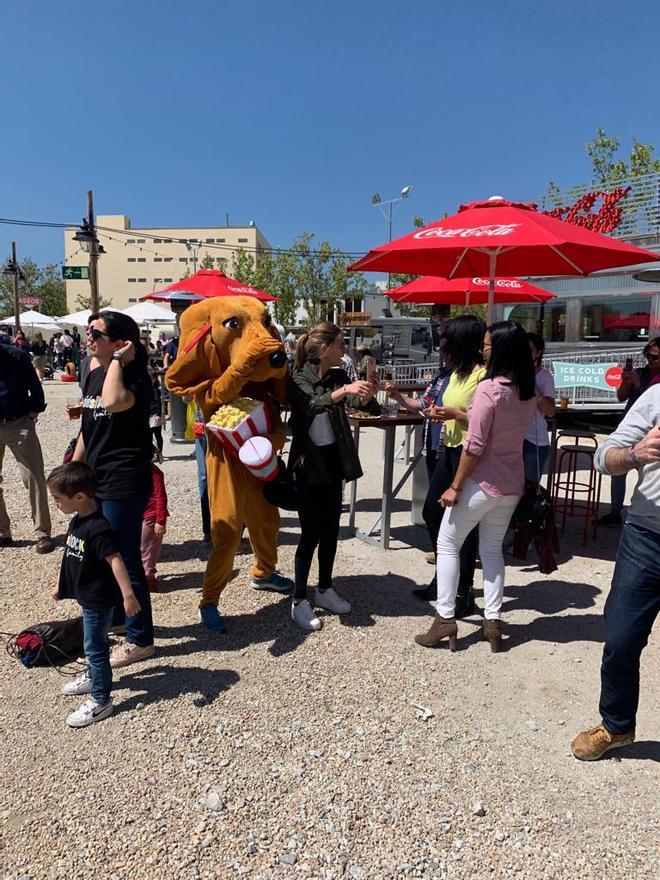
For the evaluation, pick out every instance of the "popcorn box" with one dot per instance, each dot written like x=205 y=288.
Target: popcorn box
x=255 y=424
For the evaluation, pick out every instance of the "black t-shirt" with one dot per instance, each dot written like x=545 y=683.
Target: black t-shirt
x=85 y=575
x=118 y=445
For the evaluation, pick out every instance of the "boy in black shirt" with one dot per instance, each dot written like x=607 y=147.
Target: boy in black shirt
x=93 y=573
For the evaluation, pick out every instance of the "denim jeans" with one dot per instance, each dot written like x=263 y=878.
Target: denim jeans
x=125 y=516
x=96 y=623
x=492 y=513
x=630 y=610
x=534 y=469
x=200 y=455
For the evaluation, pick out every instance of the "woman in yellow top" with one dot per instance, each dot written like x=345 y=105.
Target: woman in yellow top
x=463 y=353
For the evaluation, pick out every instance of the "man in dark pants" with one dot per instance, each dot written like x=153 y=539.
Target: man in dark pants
x=634 y=599
x=21 y=399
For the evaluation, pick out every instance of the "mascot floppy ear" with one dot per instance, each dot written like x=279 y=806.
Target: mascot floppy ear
x=196 y=365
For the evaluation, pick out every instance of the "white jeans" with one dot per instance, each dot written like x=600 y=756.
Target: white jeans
x=492 y=513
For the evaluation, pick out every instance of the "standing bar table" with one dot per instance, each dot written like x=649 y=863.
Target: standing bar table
x=388 y=424
x=597 y=418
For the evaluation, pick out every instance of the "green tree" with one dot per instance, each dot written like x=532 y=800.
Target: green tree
x=85 y=302
x=243 y=268
x=608 y=167
x=52 y=291
x=207 y=262
x=44 y=283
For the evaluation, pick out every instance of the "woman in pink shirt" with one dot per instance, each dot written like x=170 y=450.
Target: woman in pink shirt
x=489 y=480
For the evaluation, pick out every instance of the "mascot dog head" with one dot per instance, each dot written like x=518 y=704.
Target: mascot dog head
x=224 y=332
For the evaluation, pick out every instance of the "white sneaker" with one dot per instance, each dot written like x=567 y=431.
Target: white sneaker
x=304 y=616
x=331 y=601
x=89 y=713
x=81 y=684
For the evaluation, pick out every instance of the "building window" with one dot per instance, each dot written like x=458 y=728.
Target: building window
x=167 y=279
x=132 y=280
x=242 y=240
x=549 y=320
x=167 y=241
x=167 y=259
x=210 y=240
x=624 y=319
x=142 y=259
x=193 y=240
x=141 y=280
x=131 y=259
x=130 y=241
x=220 y=240
x=132 y=299
x=157 y=240
x=158 y=259
x=183 y=259
x=140 y=240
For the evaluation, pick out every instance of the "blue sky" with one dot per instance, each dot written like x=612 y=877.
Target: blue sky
x=293 y=113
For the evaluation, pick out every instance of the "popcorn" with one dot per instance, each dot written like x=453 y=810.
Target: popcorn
x=232 y=414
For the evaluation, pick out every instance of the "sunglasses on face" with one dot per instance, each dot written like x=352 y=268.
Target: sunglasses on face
x=96 y=334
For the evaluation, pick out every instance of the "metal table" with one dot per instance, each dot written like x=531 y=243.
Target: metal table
x=388 y=424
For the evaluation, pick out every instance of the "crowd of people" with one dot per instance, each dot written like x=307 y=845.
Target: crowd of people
x=485 y=435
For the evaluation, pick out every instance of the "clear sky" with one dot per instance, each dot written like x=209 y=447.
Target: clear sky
x=292 y=113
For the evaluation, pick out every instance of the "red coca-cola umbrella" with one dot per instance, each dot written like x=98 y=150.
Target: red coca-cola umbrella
x=501 y=237
x=467 y=291
x=628 y=322
x=208 y=283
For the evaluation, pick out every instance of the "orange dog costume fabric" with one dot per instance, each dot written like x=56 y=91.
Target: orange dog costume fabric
x=227 y=350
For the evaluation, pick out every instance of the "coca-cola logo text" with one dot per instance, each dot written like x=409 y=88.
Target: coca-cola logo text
x=489 y=231
x=499 y=282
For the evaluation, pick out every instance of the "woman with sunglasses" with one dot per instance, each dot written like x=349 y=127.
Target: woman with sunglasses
x=633 y=384
x=116 y=441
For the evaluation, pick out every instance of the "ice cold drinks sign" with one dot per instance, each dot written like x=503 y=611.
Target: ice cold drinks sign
x=607 y=377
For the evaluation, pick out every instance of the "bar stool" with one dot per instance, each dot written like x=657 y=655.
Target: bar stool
x=579 y=499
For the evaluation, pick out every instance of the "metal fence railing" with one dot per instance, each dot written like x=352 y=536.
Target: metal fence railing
x=417 y=374
x=586 y=395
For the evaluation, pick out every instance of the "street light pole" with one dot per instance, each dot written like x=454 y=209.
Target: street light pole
x=93 y=255
x=377 y=202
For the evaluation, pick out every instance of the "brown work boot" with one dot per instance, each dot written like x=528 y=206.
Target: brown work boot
x=441 y=628
x=590 y=745
x=45 y=545
x=493 y=634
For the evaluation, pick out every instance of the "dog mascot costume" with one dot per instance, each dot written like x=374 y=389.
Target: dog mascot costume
x=227 y=349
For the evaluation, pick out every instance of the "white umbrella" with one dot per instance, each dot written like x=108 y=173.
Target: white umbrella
x=35 y=321
x=150 y=313
x=76 y=319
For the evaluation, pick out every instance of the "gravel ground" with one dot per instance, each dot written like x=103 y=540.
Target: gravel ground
x=346 y=753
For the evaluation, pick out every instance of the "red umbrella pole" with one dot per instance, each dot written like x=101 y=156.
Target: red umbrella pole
x=492 y=259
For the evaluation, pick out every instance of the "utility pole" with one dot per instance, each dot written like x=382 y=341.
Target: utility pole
x=14 y=281
x=93 y=255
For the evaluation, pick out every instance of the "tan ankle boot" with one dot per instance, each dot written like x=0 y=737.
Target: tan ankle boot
x=441 y=628
x=493 y=634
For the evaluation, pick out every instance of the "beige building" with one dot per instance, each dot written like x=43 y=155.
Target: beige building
x=138 y=261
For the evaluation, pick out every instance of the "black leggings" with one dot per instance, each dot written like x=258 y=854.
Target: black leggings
x=446 y=466
x=319 y=525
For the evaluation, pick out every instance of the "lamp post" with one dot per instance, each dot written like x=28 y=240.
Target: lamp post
x=387 y=209
x=13 y=270
x=193 y=250
x=88 y=241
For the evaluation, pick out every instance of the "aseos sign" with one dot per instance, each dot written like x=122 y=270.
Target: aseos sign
x=491 y=230
x=606 y=377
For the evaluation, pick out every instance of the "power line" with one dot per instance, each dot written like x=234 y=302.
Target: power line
x=212 y=246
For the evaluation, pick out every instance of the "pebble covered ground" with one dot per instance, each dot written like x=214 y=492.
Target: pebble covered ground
x=349 y=753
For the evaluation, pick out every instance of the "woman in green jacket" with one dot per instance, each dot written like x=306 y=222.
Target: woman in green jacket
x=323 y=452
